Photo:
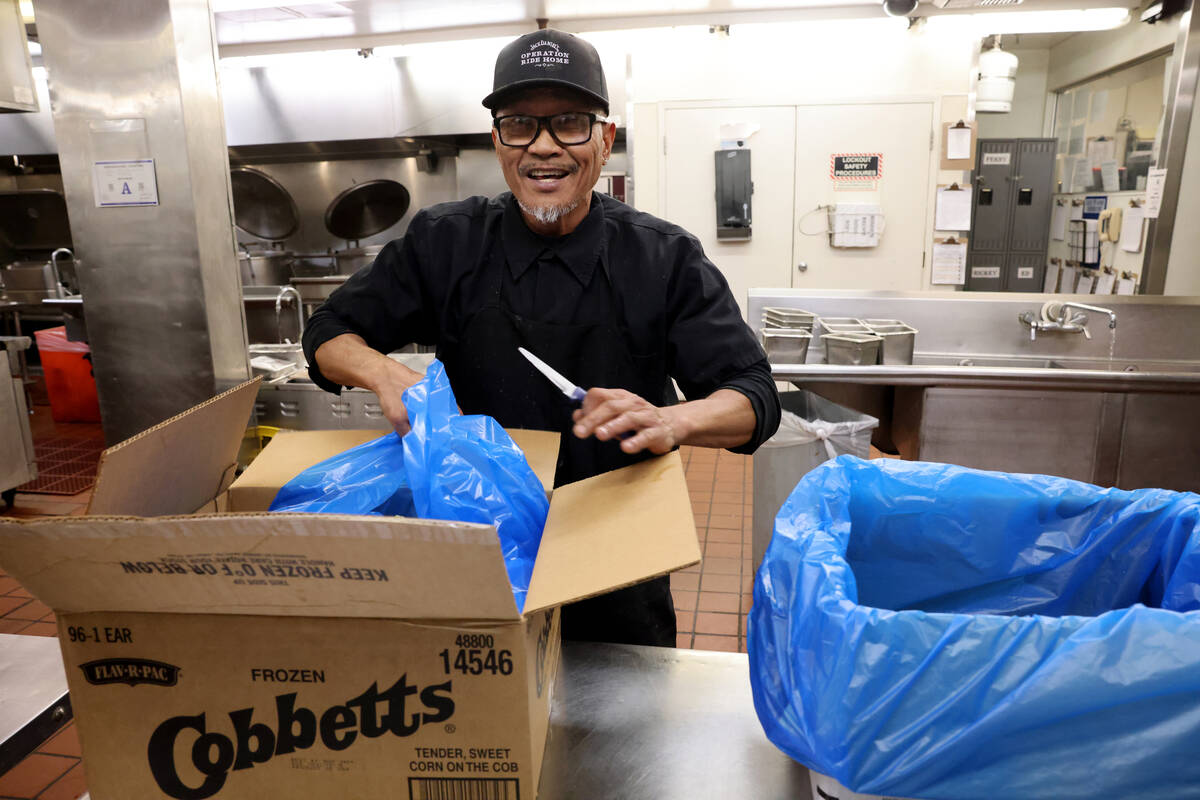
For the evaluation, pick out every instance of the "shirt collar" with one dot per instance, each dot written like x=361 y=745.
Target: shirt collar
x=579 y=250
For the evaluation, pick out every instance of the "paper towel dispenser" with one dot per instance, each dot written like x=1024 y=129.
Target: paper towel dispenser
x=734 y=188
x=16 y=70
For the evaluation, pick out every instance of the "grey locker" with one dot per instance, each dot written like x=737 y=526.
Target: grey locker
x=993 y=194
x=1013 y=182
x=985 y=272
x=1025 y=272
x=1033 y=186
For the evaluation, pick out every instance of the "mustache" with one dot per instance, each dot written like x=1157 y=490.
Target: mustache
x=525 y=169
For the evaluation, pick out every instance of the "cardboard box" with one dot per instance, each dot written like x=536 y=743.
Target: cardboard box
x=236 y=654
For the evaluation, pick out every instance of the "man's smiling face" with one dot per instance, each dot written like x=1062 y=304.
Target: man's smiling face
x=553 y=182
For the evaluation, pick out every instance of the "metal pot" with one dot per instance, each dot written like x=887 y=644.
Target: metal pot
x=353 y=259
x=266 y=267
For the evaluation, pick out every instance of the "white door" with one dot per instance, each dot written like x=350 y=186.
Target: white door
x=900 y=133
x=689 y=200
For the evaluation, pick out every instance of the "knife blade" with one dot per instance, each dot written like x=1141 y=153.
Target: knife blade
x=573 y=392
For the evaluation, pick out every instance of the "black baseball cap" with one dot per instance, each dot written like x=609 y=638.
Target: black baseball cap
x=548 y=58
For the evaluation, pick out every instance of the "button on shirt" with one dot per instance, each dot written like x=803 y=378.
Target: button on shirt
x=619 y=264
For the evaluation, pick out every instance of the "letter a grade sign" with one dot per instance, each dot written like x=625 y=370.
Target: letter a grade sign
x=124 y=183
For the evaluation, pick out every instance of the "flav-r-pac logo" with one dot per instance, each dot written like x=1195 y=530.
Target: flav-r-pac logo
x=131 y=671
x=545 y=54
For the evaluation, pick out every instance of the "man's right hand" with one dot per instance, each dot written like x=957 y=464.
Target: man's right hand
x=347 y=360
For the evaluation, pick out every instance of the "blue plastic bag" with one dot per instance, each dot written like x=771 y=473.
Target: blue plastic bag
x=449 y=466
x=929 y=631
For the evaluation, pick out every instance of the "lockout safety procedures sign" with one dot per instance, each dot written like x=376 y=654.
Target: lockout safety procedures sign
x=125 y=183
x=855 y=170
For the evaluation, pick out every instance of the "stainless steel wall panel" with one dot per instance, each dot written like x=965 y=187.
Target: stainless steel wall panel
x=160 y=283
x=1157 y=449
x=1148 y=327
x=1001 y=429
x=318 y=96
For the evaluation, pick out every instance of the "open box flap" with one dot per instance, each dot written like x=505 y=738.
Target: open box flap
x=290 y=453
x=178 y=465
x=614 y=530
x=312 y=565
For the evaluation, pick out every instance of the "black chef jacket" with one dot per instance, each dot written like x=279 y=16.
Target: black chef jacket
x=644 y=282
x=672 y=296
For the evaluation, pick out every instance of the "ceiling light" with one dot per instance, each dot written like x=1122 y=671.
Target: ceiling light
x=1066 y=21
x=35 y=48
x=27 y=11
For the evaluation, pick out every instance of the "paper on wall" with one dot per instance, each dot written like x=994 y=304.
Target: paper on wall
x=1109 y=176
x=958 y=143
x=1104 y=283
x=1081 y=175
x=1156 y=180
x=1050 y=284
x=1058 y=222
x=1077 y=212
x=1131 y=229
x=1099 y=106
x=1125 y=286
x=1101 y=150
x=949 y=263
x=1091 y=241
x=953 y=210
x=1069 y=276
x=1086 y=283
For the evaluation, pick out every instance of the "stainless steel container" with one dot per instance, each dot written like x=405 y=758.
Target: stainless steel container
x=786 y=345
x=778 y=317
x=28 y=281
x=353 y=259
x=898 y=340
x=840 y=325
x=851 y=348
x=266 y=267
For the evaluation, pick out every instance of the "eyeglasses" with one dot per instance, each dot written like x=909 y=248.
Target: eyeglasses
x=570 y=128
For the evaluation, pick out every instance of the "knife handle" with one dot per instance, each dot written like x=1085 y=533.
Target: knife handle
x=577 y=395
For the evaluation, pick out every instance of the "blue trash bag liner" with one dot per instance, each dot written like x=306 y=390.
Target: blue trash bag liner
x=449 y=466
x=930 y=631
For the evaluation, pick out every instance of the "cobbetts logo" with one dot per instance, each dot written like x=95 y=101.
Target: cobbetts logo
x=545 y=54
x=131 y=671
x=214 y=755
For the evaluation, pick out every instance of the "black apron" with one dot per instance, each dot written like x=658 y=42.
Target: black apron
x=490 y=377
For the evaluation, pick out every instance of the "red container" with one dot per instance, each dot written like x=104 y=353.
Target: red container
x=69 y=380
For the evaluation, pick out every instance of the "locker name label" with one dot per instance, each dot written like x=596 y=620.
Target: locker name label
x=985 y=272
x=997 y=159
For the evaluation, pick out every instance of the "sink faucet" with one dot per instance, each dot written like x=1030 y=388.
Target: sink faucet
x=59 y=289
x=1056 y=316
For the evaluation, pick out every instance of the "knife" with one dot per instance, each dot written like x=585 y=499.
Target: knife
x=573 y=392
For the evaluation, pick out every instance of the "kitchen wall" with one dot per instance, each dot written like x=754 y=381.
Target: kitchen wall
x=803 y=64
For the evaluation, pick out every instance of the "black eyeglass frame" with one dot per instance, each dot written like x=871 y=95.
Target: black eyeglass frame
x=544 y=122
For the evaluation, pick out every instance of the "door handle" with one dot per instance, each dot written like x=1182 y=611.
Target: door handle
x=802 y=266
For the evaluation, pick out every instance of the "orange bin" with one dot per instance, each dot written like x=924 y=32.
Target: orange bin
x=69 y=379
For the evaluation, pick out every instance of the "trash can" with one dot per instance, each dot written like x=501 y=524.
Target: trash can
x=811 y=431
x=69 y=379
x=929 y=631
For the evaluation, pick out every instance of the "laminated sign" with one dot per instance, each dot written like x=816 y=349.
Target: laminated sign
x=850 y=171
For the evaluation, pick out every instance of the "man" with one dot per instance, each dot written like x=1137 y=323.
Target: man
x=616 y=300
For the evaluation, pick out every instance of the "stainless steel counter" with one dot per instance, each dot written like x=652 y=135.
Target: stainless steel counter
x=628 y=722
x=649 y=722
x=33 y=695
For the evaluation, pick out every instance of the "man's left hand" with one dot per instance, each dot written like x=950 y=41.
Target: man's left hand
x=609 y=413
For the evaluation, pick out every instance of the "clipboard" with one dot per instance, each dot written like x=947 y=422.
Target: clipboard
x=958 y=128
x=952 y=208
